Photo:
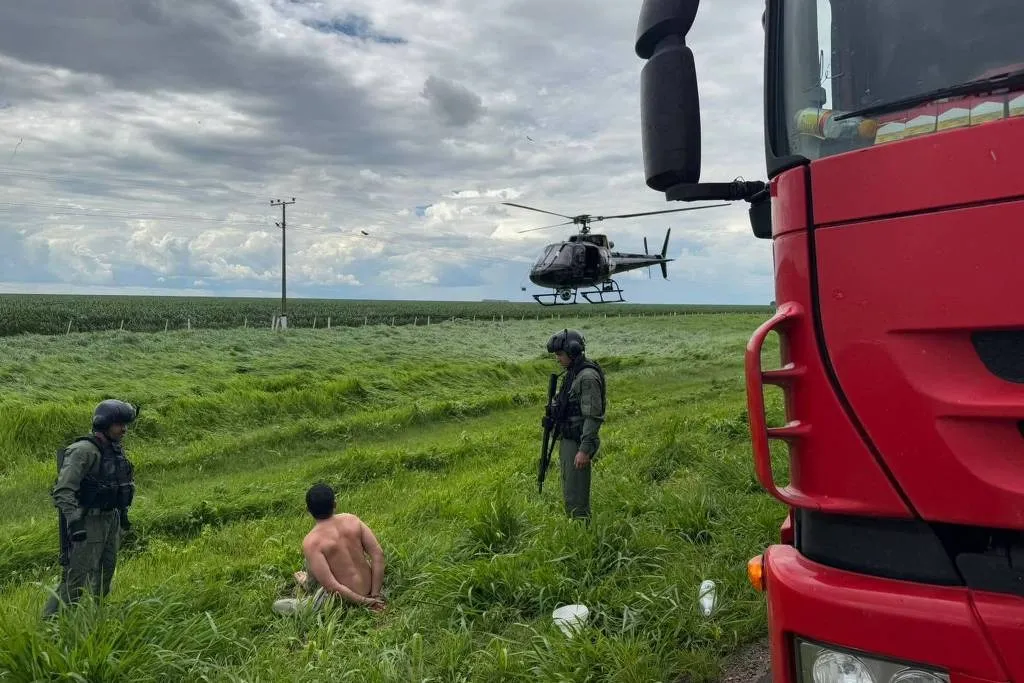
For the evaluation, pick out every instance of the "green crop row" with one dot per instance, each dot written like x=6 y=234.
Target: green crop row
x=58 y=314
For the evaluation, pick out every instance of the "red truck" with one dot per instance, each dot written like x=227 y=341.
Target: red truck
x=894 y=144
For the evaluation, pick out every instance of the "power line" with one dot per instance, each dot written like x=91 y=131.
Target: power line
x=283 y=225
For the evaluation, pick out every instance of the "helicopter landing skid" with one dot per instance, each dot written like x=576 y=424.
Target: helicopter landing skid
x=568 y=297
x=610 y=287
x=557 y=298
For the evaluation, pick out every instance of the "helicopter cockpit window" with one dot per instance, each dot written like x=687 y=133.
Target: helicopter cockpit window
x=548 y=257
x=571 y=255
x=560 y=255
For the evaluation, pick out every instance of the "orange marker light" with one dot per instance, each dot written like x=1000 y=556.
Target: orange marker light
x=755 y=573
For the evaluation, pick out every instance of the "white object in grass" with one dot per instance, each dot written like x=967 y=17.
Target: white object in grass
x=570 y=618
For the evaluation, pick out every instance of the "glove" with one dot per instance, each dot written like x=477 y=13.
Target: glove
x=125 y=524
x=76 y=530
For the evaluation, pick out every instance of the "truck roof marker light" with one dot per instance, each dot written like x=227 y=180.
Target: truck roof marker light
x=755 y=573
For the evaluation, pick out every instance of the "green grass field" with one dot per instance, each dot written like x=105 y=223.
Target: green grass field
x=60 y=314
x=430 y=434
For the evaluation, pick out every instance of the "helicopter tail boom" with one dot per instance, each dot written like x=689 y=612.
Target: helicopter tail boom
x=627 y=261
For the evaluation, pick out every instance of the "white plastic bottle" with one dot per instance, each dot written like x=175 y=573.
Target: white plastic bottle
x=706 y=597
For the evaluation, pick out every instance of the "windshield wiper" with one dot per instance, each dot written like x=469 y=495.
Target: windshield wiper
x=1008 y=80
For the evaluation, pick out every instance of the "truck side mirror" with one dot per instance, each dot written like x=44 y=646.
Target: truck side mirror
x=670 y=106
x=670 y=114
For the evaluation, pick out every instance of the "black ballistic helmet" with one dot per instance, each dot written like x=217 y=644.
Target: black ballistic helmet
x=570 y=341
x=112 y=412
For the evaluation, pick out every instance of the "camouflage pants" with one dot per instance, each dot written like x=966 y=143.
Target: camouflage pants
x=91 y=562
x=575 y=483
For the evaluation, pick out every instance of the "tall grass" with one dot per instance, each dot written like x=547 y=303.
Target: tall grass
x=431 y=436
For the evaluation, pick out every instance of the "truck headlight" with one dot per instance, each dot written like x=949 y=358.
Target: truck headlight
x=826 y=664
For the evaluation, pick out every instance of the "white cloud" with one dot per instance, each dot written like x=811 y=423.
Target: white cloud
x=412 y=121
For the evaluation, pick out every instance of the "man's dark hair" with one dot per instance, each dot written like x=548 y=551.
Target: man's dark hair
x=320 y=501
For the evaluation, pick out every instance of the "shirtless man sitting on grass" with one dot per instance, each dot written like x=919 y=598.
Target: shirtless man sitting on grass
x=335 y=550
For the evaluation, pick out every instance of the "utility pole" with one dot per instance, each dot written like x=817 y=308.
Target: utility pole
x=284 y=287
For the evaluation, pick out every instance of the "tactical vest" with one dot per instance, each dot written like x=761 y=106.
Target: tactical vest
x=571 y=409
x=111 y=484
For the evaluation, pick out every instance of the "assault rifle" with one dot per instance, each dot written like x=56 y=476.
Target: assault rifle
x=550 y=424
x=62 y=525
x=65 y=541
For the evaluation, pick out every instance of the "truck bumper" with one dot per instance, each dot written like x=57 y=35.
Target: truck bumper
x=935 y=627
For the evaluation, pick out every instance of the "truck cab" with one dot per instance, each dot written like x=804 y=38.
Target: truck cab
x=894 y=200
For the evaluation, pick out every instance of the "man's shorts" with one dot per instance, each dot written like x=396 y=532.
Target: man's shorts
x=295 y=605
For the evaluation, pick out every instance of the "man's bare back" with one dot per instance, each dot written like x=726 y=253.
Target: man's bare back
x=335 y=551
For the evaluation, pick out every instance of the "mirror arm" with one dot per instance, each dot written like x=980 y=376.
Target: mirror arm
x=730 y=192
x=756 y=193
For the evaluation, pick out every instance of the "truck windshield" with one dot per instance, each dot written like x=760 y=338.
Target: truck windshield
x=842 y=55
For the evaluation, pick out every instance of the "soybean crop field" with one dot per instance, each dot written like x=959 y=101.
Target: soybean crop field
x=60 y=314
x=431 y=435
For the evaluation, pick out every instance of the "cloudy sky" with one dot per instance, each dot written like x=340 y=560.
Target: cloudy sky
x=141 y=142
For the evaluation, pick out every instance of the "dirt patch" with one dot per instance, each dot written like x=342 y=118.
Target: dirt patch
x=749 y=665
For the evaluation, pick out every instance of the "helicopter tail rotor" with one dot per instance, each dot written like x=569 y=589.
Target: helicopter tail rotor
x=664 y=252
x=647 y=253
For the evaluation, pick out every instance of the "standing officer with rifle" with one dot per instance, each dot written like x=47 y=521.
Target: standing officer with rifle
x=575 y=415
x=94 y=488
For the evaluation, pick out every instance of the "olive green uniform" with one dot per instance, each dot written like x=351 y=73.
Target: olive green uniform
x=90 y=563
x=580 y=433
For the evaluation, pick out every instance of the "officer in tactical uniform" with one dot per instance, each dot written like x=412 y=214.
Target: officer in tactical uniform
x=94 y=489
x=580 y=411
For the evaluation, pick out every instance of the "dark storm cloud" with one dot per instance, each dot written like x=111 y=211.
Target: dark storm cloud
x=194 y=46
x=455 y=104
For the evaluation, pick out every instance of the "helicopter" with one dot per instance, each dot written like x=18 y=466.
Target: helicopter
x=586 y=260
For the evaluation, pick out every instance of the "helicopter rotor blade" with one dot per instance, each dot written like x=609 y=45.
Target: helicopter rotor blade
x=523 y=206
x=545 y=227
x=651 y=213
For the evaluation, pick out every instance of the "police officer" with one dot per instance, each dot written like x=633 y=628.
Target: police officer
x=580 y=411
x=94 y=489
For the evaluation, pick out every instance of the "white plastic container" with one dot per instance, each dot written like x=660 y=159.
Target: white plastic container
x=706 y=597
x=570 y=618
